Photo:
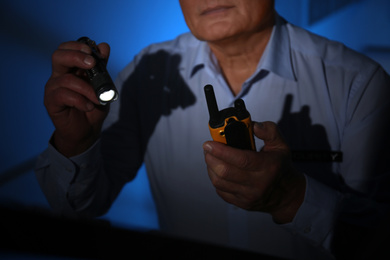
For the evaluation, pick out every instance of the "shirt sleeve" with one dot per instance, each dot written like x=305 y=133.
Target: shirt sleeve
x=340 y=219
x=315 y=218
x=79 y=185
x=58 y=177
x=87 y=184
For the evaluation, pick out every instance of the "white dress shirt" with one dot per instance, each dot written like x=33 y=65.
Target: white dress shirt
x=332 y=107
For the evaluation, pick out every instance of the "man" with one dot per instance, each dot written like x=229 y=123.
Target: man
x=324 y=97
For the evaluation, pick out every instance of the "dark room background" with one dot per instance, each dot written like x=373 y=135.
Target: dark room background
x=31 y=30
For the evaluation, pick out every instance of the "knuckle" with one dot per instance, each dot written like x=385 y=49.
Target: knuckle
x=50 y=89
x=70 y=45
x=61 y=81
x=217 y=183
x=252 y=198
x=245 y=159
x=219 y=178
x=66 y=79
x=248 y=196
x=52 y=98
x=63 y=45
x=252 y=202
x=71 y=58
x=56 y=56
x=223 y=171
x=244 y=162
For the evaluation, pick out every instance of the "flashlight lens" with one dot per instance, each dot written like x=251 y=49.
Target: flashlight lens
x=107 y=95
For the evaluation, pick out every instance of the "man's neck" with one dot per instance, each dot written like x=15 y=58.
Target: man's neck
x=238 y=57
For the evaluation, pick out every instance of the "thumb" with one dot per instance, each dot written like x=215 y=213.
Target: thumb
x=270 y=134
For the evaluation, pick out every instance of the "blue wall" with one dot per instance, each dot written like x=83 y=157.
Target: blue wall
x=31 y=30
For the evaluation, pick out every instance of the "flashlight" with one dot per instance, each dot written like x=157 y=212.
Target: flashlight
x=100 y=79
x=232 y=125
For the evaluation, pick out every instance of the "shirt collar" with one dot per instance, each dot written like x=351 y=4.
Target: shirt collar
x=277 y=55
x=202 y=58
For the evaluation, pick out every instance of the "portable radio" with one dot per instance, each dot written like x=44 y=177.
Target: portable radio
x=100 y=79
x=233 y=125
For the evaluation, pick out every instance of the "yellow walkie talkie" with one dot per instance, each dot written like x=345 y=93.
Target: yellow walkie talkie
x=231 y=126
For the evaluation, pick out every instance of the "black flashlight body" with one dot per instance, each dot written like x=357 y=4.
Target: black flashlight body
x=99 y=77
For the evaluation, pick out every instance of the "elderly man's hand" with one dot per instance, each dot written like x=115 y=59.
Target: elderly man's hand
x=70 y=99
x=259 y=181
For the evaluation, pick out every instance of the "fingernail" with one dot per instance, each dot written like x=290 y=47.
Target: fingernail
x=207 y=147
x=89 y=60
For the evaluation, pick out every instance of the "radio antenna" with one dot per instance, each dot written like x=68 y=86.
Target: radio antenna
x=212 y=103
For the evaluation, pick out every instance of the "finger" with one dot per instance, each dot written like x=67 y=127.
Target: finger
x=269 y=133
x=62 y=98
x=73 y=86
x=228 y=197
x=104 y=50
x=226 y=176
x=71 y=55
x=226 y=189
x=76 y=84
x=236 y=199
x=239 y=158
x=221 y=177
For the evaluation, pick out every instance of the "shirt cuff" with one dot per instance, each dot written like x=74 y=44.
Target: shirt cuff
x=73 y=167
x=65 y=169
x=316 y=217
x=87 y=163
